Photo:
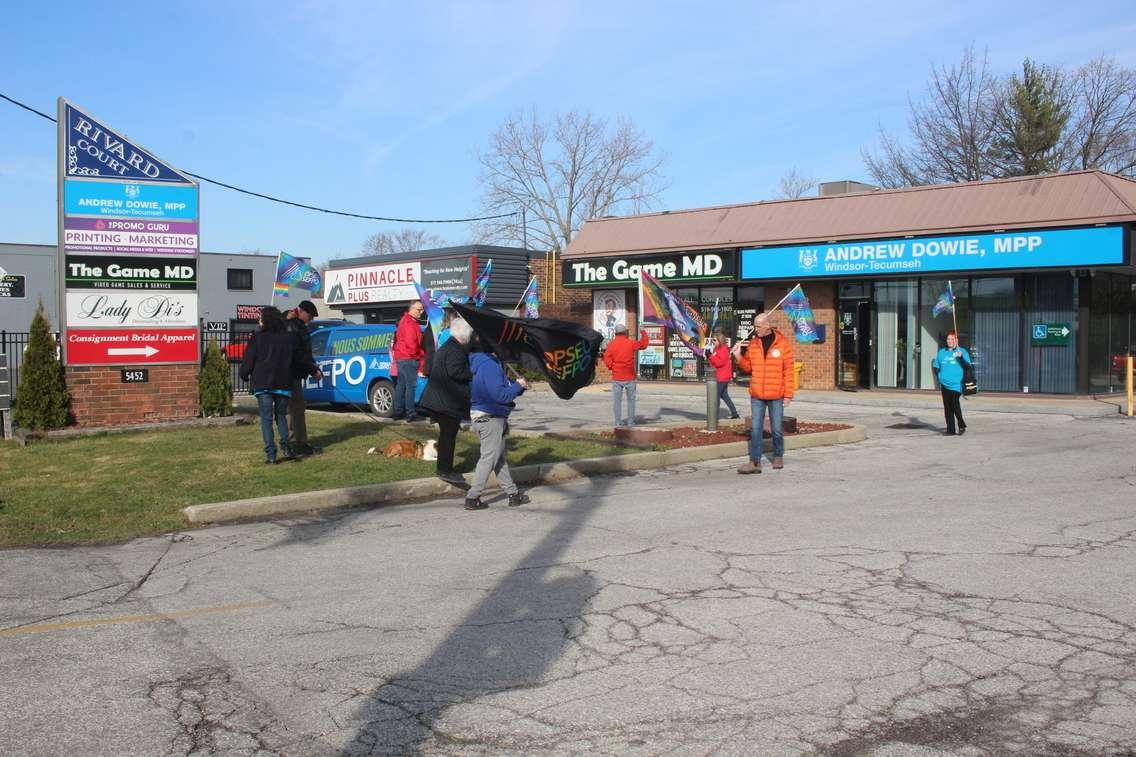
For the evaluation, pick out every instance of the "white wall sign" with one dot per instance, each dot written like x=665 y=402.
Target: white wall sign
x=389 y=282
x=116 y=308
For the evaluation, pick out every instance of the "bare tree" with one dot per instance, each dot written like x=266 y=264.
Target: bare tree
x=971 y=125
x=951 y=130
x=404 y=240
x=1102 y=131
x=794 y=185
x=562 y=171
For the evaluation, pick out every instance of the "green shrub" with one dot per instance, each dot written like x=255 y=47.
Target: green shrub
x=41 y=398
x=214 y=383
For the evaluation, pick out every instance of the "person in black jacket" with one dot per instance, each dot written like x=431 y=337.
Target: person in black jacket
x=446 y=396
x=269 y=364
x=297 y=323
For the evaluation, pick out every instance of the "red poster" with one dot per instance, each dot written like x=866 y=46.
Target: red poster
x=131 y=346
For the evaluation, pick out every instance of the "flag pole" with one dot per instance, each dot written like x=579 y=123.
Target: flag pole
x=954 y=315
x=521 y=301
x=275 y=274
x=767 y=312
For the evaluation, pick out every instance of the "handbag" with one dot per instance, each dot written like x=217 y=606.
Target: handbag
x=969 y=380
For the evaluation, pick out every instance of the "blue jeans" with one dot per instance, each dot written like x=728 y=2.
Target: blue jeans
x=273 y=407
x=776 y=413
x=404 y=387
x=617 y=390
x=724 y=396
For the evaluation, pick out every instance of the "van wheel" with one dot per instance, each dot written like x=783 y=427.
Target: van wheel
x=381 y=398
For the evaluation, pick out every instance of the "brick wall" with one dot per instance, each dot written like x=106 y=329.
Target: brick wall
x=99 y=398
x=819 y=369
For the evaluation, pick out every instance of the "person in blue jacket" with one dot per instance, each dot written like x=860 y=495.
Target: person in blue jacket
x=948 y=363
x=492 y=398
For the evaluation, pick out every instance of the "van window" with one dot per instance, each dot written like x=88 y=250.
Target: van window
x=319 y=342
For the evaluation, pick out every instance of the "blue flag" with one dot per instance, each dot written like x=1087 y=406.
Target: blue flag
x=800 y=314
x=945 y=303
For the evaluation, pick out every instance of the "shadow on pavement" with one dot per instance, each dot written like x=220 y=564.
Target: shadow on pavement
x=511 y=639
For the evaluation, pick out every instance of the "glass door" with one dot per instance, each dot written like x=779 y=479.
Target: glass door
x=854 y=357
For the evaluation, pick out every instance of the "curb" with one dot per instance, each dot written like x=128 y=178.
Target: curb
x=546 y=473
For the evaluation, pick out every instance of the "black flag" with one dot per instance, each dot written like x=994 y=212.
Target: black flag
x=565 y=352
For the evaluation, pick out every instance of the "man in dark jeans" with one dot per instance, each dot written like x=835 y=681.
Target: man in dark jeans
x=409 y=357
x=305 y=366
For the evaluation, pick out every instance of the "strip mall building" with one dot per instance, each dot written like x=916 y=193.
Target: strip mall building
x=1041 y=269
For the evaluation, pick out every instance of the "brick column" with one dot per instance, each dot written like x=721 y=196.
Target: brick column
x=99 y=398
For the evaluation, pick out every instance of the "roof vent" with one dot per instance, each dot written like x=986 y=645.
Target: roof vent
x=830 y=188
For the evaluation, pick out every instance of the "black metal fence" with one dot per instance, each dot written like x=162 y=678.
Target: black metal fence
x=14 y=343
x=232 y=348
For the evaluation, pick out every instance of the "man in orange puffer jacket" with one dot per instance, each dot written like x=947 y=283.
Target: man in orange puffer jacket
x=620 y=360
x=769 y=361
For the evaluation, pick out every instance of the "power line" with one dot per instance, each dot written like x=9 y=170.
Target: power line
x=289 y=202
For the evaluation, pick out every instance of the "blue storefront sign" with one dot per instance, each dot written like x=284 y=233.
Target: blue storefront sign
x=1070 y=248
x=94 y=150
x=125 y=200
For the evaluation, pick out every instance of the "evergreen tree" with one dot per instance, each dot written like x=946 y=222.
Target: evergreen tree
x=41 y=398
x=214 y=383
x=1029 y=122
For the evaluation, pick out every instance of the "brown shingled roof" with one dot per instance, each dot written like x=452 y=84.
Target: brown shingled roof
x=1078 y=198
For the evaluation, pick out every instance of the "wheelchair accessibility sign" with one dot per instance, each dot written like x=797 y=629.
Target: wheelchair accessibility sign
x=1050 y=335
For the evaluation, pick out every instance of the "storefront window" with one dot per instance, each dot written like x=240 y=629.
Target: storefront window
x=1050 y=303
x=896 y=306
x=681 y=361
x=750 y=301
x=997 y=334
x=1120 y=335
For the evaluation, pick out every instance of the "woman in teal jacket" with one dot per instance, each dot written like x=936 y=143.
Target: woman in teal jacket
x=948 y=363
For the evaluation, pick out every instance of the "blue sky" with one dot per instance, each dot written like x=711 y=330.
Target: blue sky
x=378 y=107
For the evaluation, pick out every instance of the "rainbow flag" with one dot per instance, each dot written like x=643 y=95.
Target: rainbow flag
x=800 y=314
x=481 y=286
x=663 y=307
x=294 y=272
x=531 y=300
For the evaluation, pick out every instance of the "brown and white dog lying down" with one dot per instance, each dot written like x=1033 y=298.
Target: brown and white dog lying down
x=408 y=448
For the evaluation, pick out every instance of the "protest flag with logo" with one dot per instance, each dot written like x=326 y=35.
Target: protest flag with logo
x=531 y=300
x=434 y=312
x=481 y=286
x=294 y=272
x=564 y=352
x=663 y=307
x=945 y=303
x=800 y=315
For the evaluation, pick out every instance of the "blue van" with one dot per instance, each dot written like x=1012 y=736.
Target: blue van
x=355 y=361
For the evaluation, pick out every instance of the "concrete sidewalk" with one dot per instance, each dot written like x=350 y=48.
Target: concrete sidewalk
x=1078 y=406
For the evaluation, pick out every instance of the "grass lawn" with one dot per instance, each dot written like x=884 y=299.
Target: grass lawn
x=118 y=486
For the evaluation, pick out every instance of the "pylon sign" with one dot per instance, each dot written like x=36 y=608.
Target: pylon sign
x=123 y=209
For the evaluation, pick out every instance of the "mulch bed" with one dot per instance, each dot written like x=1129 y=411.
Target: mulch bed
x=689 y=436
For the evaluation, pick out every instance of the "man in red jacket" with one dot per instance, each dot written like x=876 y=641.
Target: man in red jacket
x=408 y=355
x=620 y=360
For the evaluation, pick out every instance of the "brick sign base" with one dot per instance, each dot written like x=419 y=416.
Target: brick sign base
x=99 y=398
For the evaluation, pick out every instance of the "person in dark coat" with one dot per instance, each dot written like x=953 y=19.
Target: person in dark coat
x=269 y=364
x=305 y=366
x=446 y=396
